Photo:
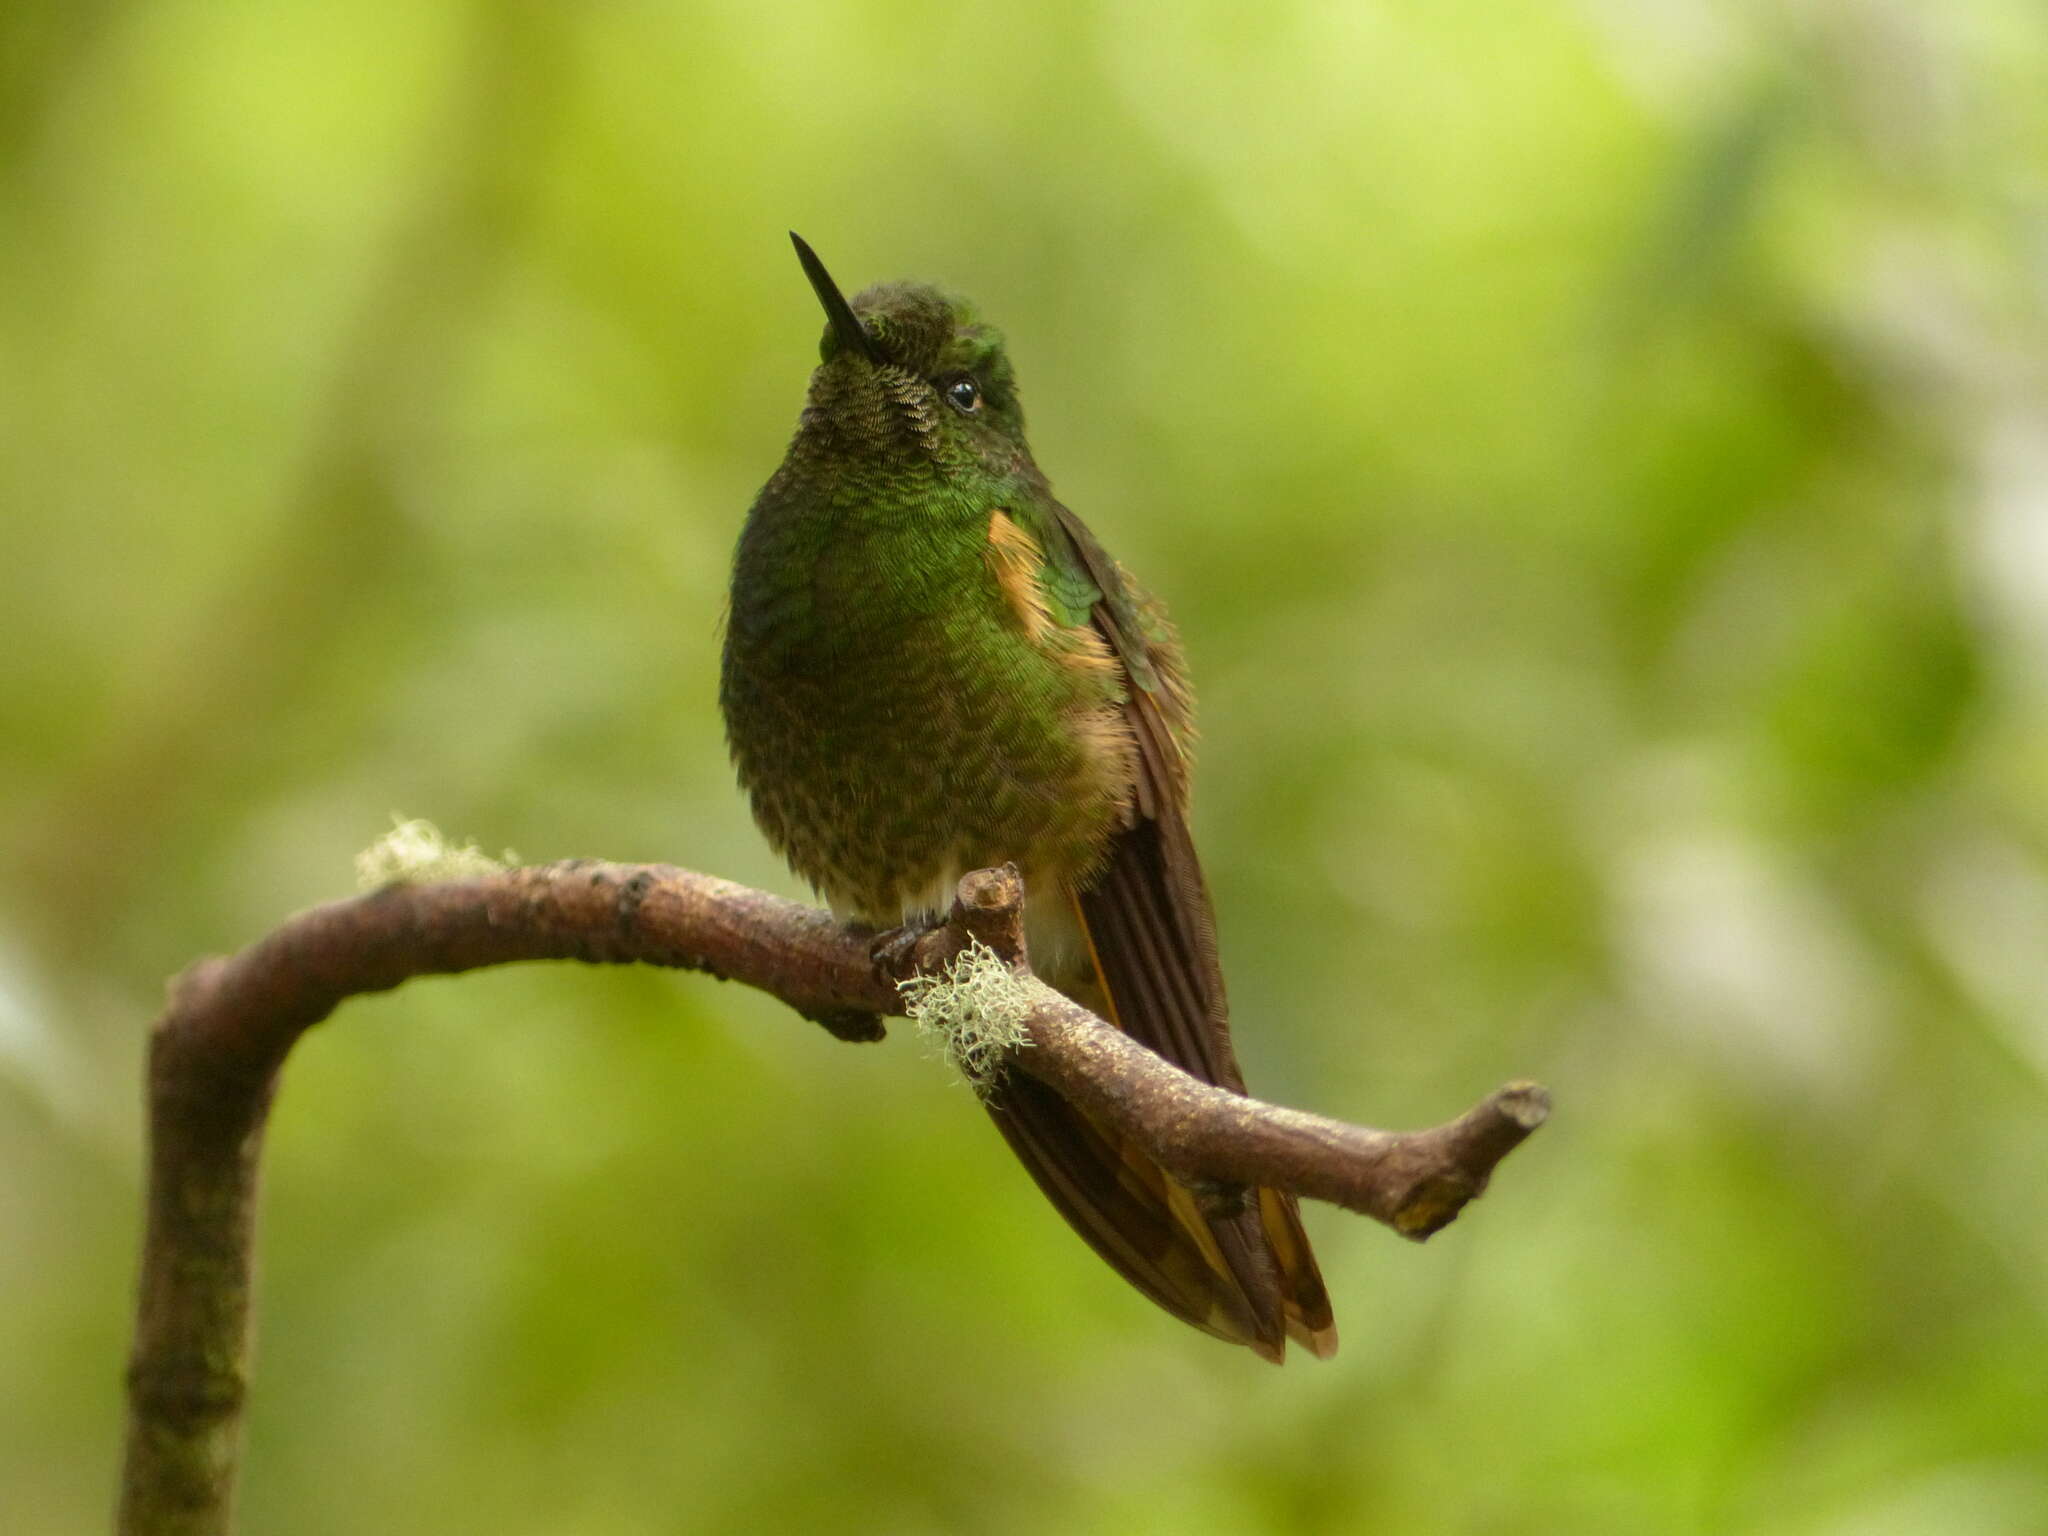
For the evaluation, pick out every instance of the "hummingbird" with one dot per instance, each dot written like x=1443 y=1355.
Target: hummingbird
x=932 y=666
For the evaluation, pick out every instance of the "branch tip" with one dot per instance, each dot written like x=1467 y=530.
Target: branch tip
x=1525 y=1103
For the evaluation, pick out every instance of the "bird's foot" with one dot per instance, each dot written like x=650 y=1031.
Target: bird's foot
x=893 y=952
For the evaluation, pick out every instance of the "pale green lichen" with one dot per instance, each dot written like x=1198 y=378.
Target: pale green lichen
x=415 y=853
x=975 y=1011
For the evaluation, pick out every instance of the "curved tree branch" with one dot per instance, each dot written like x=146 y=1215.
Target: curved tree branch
x=217 y=1049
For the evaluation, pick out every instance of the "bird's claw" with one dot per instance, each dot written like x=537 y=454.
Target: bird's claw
x=893 y=952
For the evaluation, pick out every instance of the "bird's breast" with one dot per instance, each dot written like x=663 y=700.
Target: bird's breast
x=903 y=725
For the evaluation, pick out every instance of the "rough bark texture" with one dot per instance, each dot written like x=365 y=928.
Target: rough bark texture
x=216 y=1052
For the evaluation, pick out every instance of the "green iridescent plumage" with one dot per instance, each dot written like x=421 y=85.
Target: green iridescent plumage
x=930 y=667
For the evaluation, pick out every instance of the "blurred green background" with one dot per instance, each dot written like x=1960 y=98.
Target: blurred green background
x=1597 y=453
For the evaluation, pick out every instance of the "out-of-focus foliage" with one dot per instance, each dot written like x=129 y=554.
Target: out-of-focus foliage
x=1598 y=455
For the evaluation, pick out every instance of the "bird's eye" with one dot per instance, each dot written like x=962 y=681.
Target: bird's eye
x=965 y=395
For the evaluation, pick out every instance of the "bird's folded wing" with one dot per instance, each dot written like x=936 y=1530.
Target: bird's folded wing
x=1247 y=1274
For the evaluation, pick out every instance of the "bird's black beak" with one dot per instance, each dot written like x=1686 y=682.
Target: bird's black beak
x=850 y=331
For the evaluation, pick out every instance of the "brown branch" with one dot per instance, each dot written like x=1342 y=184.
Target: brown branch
x=216 y=1051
